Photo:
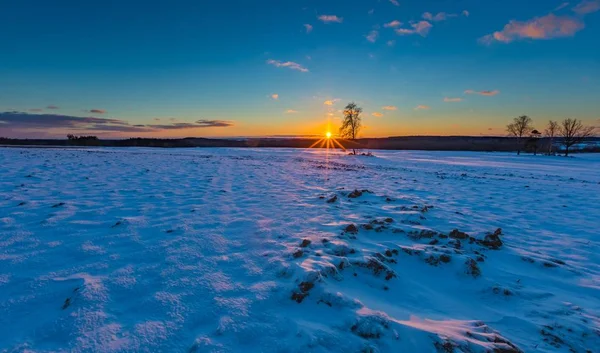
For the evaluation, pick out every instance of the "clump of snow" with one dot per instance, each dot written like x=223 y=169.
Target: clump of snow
x=269 y=250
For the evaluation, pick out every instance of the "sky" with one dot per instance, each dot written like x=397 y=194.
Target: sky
x=287 y=68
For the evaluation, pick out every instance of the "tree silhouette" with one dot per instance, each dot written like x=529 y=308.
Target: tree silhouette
x=551 y=131
x=573 y=132
x=520 y=127
x=352 y=122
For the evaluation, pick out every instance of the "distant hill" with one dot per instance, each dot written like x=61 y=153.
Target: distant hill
x=430 y=143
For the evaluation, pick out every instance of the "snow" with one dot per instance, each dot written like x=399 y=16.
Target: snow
x=223 y=250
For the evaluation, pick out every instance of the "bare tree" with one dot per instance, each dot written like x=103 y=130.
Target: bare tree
x=520 y=127
x=352 y=122
x=573 y=132
x=551 y=131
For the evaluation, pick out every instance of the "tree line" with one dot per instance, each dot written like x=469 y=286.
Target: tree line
x=571 y=131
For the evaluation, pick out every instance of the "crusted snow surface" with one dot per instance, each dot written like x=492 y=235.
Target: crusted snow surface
x=289 y=250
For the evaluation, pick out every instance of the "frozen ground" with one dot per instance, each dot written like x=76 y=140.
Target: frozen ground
x=222 y=250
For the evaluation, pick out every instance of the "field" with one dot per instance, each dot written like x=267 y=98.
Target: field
x=293 y=250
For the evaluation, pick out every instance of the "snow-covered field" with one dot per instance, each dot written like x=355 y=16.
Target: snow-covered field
x=263 y=250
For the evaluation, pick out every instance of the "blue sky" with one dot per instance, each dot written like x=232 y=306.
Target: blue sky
x=241 y=68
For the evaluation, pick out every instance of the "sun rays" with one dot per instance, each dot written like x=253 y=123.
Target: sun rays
x=328 y=142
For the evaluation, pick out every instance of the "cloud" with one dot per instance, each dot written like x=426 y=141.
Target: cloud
x=483 y=93
x=391 y=43
x=291 y=111
x=289 y=64
x=25 y=121
x=561 y=6
x=35 y=110
x=452 y=100
x=422 y=28
x=586 y=7
x=441 y=16
x=331 y=101
x=371 y=11
x=546 y=27
x=308 y=28
x=377 y=114
x=275 y=96
x=330 y=19
x=53 y=107
x=96 y=111
x=395 y=2
x=393 y=24
x=422 y=107
x=389 y=107
x=372 y=36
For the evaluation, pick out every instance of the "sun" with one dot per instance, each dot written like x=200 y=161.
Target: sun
x=328 y=134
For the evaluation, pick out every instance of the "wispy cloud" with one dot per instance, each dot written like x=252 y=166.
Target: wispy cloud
x=35 y=110
x=546 y=27
x=24 y=121
x=587 y=6
x=289 y=64
x=392 y=24
x=291 y=111
x=19 y=121
x=389 y=107
x=371 y=11
x=422 y=107
x=330 y=19
x=372 y=36
x=395 y=2
x=391 y=43
x=452 y=100
x=466 y=13
x=96 y=111
x=377 y=114
x=483 y=93
x=422 y=28
x=52 y=107
x=308 y=27
x=440 y=16
x=275 y=96
x=561 y=6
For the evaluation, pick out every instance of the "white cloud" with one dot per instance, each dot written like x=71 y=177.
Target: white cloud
x=275 y=96
x=330 y=19
x=393 y=24
x=442 y=16
x=289 y=64
x=389 y=107
x=452 y=100
x=291 y=111
x=391 y=43
x=372 y=36
x=395 y=2
x=546 y=27
x=308 y=27
x=422 y=28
